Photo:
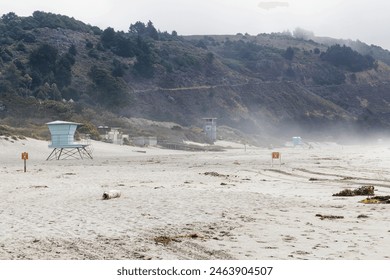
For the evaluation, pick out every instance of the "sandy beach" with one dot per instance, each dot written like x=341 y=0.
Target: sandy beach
x=194 y=205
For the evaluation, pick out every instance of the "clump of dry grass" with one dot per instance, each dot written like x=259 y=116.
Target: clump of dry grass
x=20 y=133
x=377 y=200
x=5 y=131
x=364 y=190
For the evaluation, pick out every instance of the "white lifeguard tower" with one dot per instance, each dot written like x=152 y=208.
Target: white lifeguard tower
x=62 y=141
x=210 y=128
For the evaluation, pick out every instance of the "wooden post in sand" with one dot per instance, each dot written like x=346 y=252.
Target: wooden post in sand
x=276 y=155
x=25 y=158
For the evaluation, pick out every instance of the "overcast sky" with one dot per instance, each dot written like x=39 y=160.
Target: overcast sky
x=366 y=20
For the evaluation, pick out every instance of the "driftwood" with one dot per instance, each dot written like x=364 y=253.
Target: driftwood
x=39 y=187
x=111 y=194
x=330 y=217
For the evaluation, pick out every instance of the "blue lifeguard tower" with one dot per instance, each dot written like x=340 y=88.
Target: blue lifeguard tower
x=62 y=141
x=297 y=141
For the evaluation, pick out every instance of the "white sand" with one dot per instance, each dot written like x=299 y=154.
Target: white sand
x=245 y=209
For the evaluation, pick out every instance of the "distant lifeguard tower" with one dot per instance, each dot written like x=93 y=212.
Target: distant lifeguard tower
x=210 y=128
x=297 y=141
x=62 y=141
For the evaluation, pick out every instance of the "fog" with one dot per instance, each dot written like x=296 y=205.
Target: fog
x=266 y=133
x=363 y=20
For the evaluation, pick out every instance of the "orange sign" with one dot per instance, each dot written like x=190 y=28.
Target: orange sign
x=24 y=155
x=275 y=155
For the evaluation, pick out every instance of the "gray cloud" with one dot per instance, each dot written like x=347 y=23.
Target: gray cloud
x=272 y=5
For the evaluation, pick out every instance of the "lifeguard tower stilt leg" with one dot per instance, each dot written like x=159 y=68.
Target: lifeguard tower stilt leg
x=67 y=153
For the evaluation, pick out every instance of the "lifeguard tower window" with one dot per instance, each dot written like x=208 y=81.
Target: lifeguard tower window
x=62 y=142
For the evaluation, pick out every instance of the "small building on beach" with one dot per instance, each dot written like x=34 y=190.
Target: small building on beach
x=113 y=135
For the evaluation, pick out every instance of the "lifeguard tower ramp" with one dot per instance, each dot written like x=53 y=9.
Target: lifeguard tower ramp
x=62 y=142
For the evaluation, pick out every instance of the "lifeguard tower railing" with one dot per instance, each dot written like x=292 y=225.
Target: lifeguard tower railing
x=62 y=142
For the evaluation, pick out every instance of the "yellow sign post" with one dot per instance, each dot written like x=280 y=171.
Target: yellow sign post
x=25 y=158
x=276 y=155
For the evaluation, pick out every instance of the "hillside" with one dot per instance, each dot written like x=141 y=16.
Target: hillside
x=261 y=87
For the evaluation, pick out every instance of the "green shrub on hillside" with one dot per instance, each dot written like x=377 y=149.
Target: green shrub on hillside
x=108 y=90
x=343 y=56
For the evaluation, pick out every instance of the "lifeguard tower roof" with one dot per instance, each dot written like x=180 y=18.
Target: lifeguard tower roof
x=62 y=122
